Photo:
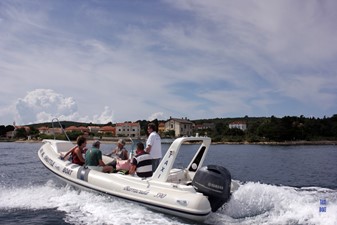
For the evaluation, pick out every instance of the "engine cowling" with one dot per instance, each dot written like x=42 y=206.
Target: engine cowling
x=215 y=182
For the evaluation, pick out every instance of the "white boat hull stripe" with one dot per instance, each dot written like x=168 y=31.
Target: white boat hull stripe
x=158 y=207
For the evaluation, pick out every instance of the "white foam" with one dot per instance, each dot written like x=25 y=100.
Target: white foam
x=81 y=207
x=256 y=203
x=252 y=203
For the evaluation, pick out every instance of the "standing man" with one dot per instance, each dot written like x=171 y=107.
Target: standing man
x=153 y=145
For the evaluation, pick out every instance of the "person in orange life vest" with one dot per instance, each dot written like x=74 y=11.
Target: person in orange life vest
x=78 y=151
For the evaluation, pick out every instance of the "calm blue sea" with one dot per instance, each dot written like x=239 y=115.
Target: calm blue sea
x=279 y=185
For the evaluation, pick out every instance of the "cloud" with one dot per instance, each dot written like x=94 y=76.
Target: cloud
x=105 y=117
x=42 y=105
x=157 y=115
x=192 y=58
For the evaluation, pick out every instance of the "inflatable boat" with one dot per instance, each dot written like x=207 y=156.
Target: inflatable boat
x=193 y=192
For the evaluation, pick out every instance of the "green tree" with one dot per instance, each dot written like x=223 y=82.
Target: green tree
x=21 y=133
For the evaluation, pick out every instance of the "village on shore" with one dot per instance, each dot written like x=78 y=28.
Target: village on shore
x=245 y=130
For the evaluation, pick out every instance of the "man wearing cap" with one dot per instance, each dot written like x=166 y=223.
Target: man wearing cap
x=120 y=151
x=93 y=159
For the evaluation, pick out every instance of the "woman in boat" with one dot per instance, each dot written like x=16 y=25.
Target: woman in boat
x=120 y=151
x=78 y=151
x=141 y=163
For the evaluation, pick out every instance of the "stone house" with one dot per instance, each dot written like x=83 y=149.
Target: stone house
x=181 y=127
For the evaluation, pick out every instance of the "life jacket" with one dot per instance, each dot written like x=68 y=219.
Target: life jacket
x=76 y=160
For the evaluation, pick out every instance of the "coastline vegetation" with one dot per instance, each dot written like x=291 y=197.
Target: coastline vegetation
x=288 y=129
x=260 y=130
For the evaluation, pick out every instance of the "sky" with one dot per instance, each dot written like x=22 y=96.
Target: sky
x=113 y=61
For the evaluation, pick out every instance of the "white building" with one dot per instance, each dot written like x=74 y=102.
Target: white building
x=127 y=129
x=181 y=127
x=238 y=124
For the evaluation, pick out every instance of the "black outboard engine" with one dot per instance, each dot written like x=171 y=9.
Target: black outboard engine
x=215 y=182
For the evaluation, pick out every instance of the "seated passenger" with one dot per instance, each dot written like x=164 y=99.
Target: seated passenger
x=77 y=151
x=93 y=159
x=142 y=162
x=120 y=151
x=120 y=165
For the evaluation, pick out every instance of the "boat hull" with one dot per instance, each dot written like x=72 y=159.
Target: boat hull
x=171 y=198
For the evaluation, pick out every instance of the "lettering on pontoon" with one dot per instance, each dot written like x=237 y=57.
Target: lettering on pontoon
x=49 y=160
x=182 y=202
x=67 y=171
x=136 y=191
x=160 y=195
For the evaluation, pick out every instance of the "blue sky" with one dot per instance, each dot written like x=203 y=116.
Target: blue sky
x=113 y=61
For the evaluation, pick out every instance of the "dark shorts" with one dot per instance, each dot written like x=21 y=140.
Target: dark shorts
x=155 y=164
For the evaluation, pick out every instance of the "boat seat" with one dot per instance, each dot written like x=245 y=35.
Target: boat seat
x=178 y=176
x=64 y=146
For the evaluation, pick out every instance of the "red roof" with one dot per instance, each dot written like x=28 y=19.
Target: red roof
x=107 y=129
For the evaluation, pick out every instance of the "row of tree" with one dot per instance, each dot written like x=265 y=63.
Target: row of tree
x=259 y=129
x=262 y=129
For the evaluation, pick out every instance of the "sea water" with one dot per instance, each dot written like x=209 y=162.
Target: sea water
x=279 y=185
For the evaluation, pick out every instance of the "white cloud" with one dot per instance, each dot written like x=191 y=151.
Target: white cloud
x=157 y=115
x=196 y=58
x=43 y=105
x=105 y=117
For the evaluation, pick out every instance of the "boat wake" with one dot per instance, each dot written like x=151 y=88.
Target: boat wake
x=252 y=203
x=256 y=203
x=80 y=207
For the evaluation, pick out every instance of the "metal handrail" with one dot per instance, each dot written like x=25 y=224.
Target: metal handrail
x=133 y=146
x=52 y=123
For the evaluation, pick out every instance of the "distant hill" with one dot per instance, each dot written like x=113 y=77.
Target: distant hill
x=67 y=124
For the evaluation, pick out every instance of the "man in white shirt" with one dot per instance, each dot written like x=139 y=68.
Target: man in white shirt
x=153 y=145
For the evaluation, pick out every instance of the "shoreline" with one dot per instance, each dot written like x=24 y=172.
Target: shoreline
x=280 y=143
x=285 y=143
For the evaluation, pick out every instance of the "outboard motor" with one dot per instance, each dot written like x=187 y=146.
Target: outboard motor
x=215 y=182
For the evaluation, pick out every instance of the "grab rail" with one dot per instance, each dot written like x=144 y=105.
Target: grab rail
x=65 y=133
x=133 y=146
